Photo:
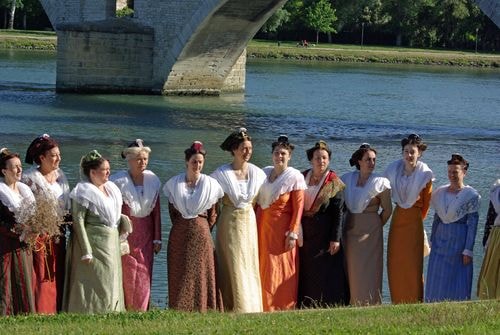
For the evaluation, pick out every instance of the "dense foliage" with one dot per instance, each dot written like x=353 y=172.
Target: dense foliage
x=414 y=23
x=455 y=24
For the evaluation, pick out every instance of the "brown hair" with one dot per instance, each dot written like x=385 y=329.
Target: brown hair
x=320 y=145
x=195 y=148
x=457 y=159
x=91 y=161
x=38 y=147
x=414 y=139
x=358 y=154
x=5 y=156
x=282 y=141
x=233 y=141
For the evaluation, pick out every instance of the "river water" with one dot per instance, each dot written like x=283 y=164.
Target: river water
x=453 y=109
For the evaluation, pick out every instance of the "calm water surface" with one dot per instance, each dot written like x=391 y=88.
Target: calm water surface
x=454 y=110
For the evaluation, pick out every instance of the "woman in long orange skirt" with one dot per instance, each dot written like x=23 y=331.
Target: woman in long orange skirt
x=411 y=183
x=281 y=201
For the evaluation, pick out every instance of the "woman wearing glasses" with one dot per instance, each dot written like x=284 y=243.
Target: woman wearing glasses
x=365 y=194
x=411 y=184
x=449 y=274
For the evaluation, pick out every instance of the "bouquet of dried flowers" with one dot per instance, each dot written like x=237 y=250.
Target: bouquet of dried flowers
x=44 y=219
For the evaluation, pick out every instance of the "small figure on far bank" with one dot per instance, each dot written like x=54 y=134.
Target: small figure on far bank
x=140 y=190
x=193 y=198
x=16 y=259
x=365 y=194
x=46 y=179
x=322 y=277
x=279 y=211
x=411 y=185
x=449 y=273
x=488 y=284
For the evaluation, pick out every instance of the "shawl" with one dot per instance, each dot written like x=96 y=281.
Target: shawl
x=358 y=198
x=465 y=202
x=107 y=208
x=289 y=180
x=141 y=205
x=17 y=202
x=495 y=200
x=38 y=183
x=227 y=180
x=417 y=181
x=206 y=193
x=330 y=186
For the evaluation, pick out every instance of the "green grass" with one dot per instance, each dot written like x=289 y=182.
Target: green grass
x=479 y=317
x=47 y=40
x=28 y=39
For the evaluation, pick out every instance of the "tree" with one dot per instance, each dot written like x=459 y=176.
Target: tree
x=11 y=7
x=280 y=17
x=320 y=16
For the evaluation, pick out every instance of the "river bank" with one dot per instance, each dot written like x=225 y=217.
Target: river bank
x=43 y=40
x=479 y=317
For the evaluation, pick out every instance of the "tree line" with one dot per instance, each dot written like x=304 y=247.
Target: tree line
x=450 y=24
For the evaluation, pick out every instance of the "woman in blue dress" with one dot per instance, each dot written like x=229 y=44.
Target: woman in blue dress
x=449 y=274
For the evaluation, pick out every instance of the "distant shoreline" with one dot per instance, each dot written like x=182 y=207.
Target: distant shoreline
x=261 y=49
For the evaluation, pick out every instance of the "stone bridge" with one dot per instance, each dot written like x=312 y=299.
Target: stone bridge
x=168 y=47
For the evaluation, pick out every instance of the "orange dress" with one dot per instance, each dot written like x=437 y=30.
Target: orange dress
x=279 y=266
x=405 y=248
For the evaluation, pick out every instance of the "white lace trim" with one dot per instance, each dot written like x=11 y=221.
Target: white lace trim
x=141 y=205
x=289 y=180
x=205 y=194
x=358 y=198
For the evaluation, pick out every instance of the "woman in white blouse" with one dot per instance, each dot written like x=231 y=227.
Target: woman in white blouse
x=368 y=202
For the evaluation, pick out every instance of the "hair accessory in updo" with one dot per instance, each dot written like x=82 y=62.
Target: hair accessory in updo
x=283 y=142
x=38 y=147
x=320 y=145
x=134 y=148
x=234 y=139
x=91 y=156
x=195 y=148
x=457 y=159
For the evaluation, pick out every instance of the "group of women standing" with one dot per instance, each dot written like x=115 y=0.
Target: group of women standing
x=80 y=268
x=284 y=238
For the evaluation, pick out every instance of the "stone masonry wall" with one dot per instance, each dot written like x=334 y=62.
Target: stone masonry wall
x=104 y=58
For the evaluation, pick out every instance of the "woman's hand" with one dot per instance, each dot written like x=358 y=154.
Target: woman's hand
x=290 y=242
x=466 y=259
x=334 y=247
x=156 y=247
x=87 y=260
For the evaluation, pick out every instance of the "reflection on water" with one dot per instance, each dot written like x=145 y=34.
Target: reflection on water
x=454 y=110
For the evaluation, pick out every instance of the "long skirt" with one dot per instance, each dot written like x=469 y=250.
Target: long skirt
x=138 y=265
x=405 y=249
x=191 y=265
x=48 y=265
x=488 y=284
x=238 y=259
x=16 y=282
x=364 y=249
x=96 y=287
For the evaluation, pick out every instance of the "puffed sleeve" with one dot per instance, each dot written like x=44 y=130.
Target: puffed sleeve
x=79 y=231
x=297 y=198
